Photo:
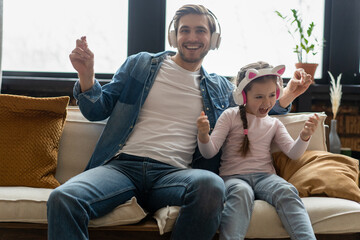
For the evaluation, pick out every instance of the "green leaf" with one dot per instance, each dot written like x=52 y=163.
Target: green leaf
x=280 y=15
x=310 y=29
x=295 y=28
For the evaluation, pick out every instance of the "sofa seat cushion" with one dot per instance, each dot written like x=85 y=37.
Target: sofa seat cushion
x=27 y=204
x=328 y=216
x=23 y=204
x=333 y=215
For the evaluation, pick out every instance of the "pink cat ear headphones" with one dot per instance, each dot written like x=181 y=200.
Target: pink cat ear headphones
x=239 y=94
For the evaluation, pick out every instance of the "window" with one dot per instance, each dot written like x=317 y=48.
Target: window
x=38 y=35
x=251 y=31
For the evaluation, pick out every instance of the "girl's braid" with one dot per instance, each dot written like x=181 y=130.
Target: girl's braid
x=245 y=144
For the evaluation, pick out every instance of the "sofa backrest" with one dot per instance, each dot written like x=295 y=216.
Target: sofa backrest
x=80 y=137
x=294 y=122
x=77 y=143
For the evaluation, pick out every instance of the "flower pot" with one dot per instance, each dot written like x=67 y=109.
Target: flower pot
x=309 y=68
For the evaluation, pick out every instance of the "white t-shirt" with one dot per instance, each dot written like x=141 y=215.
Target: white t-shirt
x=166 y=128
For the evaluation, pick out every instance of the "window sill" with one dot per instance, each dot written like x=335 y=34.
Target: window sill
x=40 y=86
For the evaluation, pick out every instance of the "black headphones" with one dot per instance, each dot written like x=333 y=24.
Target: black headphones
x=215 y=37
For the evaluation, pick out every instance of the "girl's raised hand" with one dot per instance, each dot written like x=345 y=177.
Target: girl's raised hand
x=309 y=127
x=203 y=126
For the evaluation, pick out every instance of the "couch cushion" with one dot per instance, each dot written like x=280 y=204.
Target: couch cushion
x=127 y=213
x=166 y=217
x=26 y=204
x=30 y=130
x=294 y=122
x=320 y=173
x=333 y=215
x=327 y=215
x=77 y=144
x=23 y=204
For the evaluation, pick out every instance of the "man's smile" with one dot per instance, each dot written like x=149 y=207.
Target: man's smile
x=192 y=46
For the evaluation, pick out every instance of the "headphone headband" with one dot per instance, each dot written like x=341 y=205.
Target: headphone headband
x=239 y=94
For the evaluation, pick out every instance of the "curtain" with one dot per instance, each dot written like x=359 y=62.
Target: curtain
x=1 y=37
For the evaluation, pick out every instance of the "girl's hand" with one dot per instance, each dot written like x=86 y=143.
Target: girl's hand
x=309 y=127
x=203 y=126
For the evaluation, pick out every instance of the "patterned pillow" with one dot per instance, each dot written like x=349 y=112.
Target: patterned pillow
x=30 y=131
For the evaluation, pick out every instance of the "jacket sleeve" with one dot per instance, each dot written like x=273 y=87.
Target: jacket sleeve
x=278 y=110
x=98 y=102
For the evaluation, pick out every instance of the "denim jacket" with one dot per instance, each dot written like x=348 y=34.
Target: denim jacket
x=120 y=102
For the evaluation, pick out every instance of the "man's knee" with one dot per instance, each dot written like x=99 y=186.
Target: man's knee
x=208 y=186
x=55 y=199
x=210 y=182
x=59 y=197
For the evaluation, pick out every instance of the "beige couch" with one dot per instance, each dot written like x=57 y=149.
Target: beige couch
x=23 y=209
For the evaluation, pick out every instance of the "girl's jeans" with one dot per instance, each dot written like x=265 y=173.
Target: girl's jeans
x=242 y=190
x=98 y=191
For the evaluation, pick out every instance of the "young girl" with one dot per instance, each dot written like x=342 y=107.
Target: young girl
x=245 y=134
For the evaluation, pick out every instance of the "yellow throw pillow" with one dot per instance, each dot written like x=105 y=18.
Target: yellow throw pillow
x=320 y=173
x=30 y=131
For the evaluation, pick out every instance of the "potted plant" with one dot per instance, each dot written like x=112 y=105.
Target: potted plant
x=306 y=43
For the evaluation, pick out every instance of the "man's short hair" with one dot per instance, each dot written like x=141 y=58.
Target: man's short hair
x=194 y=9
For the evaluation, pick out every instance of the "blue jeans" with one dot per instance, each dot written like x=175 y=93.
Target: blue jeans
x=242 y=190
x=98 y=191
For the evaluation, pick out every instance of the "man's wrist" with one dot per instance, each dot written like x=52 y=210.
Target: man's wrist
x=286 y=99
x=86 y=82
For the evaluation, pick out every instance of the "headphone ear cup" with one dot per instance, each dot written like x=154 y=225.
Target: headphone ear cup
x=243 y=96
x=215 y=41
x=239 y=97
x=172 y=39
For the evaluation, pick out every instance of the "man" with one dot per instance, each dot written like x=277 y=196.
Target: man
x=149 y=141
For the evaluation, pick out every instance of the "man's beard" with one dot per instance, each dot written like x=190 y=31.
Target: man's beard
x=190 y=60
